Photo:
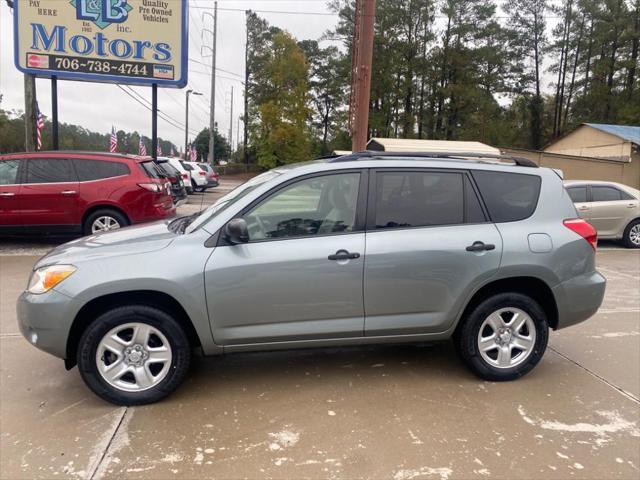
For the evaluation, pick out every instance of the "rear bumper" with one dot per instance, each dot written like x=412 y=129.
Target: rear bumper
x=579 y=298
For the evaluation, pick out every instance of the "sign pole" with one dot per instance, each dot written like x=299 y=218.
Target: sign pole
x=29 y=113
x=154 y=121
x=54 y=113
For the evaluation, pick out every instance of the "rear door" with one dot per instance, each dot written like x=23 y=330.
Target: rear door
x=429 y=245
x=49 y=194
x=10 y=217
x=608 y=210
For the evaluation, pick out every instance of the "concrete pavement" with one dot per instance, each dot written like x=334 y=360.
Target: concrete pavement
x=401 y=412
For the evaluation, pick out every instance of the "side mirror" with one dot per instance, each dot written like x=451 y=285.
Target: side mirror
x=236 y=231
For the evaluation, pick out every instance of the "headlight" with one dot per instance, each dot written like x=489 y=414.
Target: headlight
x=45 y=278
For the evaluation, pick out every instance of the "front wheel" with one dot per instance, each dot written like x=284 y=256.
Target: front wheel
x=134 y=355
x=631 y=235
x=504 y=337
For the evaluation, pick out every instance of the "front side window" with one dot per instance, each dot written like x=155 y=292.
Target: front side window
x=89 y=170
x=314 y=206
x=578 y=194
x=9 y=172
x=50 y=170
x=605 y=194
x=419 y=199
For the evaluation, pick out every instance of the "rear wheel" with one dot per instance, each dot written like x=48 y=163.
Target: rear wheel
x=134 y=355
x=103 y=221
x=504 y=337
x=631 y=236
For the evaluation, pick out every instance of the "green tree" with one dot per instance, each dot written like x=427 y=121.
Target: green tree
x=221 y=145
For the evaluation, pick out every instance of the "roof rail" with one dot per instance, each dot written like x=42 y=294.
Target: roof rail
x=371 y=155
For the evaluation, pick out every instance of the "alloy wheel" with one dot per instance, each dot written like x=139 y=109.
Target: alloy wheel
x=104 y=224
x=506 y=338
x=634 y=234
x=134 y=357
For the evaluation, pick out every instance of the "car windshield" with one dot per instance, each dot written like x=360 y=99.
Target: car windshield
x=230 y=198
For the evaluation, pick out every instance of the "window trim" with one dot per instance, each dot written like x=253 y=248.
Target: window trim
x=361 y=207
x=371 y=209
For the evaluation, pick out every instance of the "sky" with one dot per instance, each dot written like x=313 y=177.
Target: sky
x=98 y=106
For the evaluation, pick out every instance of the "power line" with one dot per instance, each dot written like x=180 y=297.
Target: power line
x=218 y=69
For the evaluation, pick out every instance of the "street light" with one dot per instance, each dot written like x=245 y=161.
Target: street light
x=186 y=121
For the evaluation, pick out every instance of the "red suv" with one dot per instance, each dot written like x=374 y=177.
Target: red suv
x=79 y=192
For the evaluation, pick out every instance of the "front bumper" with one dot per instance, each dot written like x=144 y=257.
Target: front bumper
x=579 y=298
x=45 y=321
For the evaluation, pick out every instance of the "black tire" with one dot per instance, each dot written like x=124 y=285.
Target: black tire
x=626 y=238
x=88 y=345
x=104 y=212
x=467 y=334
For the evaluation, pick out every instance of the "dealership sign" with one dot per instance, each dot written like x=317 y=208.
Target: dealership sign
x=119 y=41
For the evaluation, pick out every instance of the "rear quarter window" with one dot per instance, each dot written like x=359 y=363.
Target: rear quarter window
x=509 y=197
x=151 y=170
x=89 y=170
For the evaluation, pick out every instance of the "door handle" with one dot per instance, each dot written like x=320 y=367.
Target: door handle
x=582 y=209
x=480 y=247
x=343 y=255
x=631 y=205
x=7 y=194
x=68 y=192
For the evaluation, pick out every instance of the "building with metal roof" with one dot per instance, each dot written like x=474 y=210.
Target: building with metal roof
x=613 y=142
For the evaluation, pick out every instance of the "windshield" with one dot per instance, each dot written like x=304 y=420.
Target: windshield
x=230 y=198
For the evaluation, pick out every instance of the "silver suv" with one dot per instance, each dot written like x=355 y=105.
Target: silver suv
x=365 y=248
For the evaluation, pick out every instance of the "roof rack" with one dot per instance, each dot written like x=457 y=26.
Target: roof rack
x=371 y=155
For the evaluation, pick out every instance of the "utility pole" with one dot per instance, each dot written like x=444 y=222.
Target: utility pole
x=361 y=63
x=231 y=122
x=246 y=93
x=212 y=118
x=186 y=122
x=29 y=113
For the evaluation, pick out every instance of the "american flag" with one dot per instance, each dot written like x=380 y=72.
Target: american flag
x=193 y=154
x=39 y=127
x=159 y=150
x=142 y=149
x=173 y=152
x=113 y=145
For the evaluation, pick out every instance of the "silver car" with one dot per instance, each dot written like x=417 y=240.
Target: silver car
x=612 y=208
x=360 y=249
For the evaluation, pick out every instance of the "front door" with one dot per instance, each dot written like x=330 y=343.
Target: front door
x=10 y=218
x=300 y=275
x=609 y=210
x=428 y=247
x=49 y=195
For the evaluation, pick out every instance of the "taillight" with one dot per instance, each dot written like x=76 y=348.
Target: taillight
x=152 y=187
x=202 y=174
x=185 y=176
x=584 y=229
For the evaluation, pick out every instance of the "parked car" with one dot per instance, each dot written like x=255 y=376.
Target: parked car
x=364 y=248
x=178 y=190
x=213 y=180
x=184 y=173
x=198 y=176
x=79 y=192
x=612 y=208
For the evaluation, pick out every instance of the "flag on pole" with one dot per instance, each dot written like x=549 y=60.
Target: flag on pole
x=113 y=145
x=142 y=149
x=194 y=153
x=159 y=150
x=173 y=152
x=39 y=127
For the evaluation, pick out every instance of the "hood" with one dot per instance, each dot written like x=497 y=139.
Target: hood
x=126 y=241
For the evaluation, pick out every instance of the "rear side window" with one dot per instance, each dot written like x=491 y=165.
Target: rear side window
x=419 y=199
x=578 y=194
x=89 y=170
x=186 y=166
x=607 y=194
x=9 y=172
x=50 y=170
x=151 y=170
x=509 y=197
